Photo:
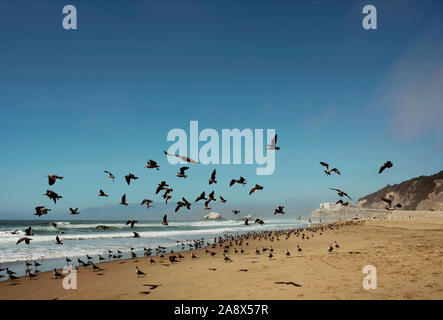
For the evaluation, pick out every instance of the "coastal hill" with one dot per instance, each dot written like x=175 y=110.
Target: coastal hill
x=420 y=193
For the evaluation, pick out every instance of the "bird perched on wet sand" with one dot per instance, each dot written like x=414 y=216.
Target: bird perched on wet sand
x=130 y=177
x=152 y=165
x=387 y=164
x=101 y=193
x=279 y=210
x=341 y=193
x=74 y=211
x=327 y=171
x=273 y=146
x=52 y=195
x=52 y=178
x=212 y=179
x=41 y=210
x=123 y=202
x=181 y=173
x=110 y=175
x=147 y=202
x=241 y=181
x=255 y=188
x=131 y=222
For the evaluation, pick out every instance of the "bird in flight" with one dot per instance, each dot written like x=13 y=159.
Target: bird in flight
x=101 y=193
x=52 y=195
x=184 y=203
x=273 y=146
x=58 y=240
x=279 y=210
x=131 y=222
x=41 y=210
x=241 y=181
x=165 y=220
x=387 y=164
x=327 y=171
x=202 y=196
x=161 y=186
x=255 y=188
x=74 y=211
x=389 y=204
x=343 y=203
x=52 y=178
x=123 y=202
x=206 y=207
x=152 y=165
x=235 y=211
x=341 y=193
x=181 y=173
x=259 y=221
x=147 y=202
x=184 y=158
x=130 y=176
x=110 y=175
x=222 y=200
x=212 y=180
x=24 y=239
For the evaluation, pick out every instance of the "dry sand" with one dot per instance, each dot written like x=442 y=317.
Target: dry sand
x=407 y=253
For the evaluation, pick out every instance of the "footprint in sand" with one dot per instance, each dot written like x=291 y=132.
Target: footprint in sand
x=152 y=286
x=145 y=292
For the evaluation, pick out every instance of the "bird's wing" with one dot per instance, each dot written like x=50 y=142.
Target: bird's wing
x=124 y=198
x=324 y=164
x=213 y=175
x=232 y=182
x=383 y=167
x=128 y=180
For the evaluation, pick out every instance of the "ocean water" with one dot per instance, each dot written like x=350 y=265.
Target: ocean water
x=82 y=237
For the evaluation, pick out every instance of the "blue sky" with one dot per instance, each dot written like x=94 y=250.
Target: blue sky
x=105 y=96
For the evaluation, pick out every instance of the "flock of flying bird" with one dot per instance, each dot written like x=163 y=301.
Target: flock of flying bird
x=183 y=203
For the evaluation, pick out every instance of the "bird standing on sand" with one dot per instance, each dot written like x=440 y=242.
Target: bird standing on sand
x=152 y=165
x=387 y=164
x=287 y=253
x=56 y=274
x=212 y=179
x=52 y=178
x=181 y=173
x=110 y=175
x=130 y=177
x=123 y=202
x=273 y=146
x=330 y=248
x=101 y=193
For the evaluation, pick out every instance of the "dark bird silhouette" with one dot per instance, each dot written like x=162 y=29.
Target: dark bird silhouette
x=52 y=195
x=41 y=210
x=101 y=193
x=131 y=222
x=241 y=181
x=184 y=203
x=273 y=146
x=222 y=200
x=206 y=207
x=344 y=203
x=123 y=202
x=184 y=158
x=130 y=177
x=259 y=221
x=235 y=211
x=181 y=173
x=387 y=164
x=24 y=239
x=58 y=240
x=136 y=235
x=202 y=196
x=110 y=175
x=255 y=188
x=341 y=193
x=52 y=178
x=53 y=224
x=246 y=221
x=327 y=171
x=212 y=180
x=147 y=202
x=165 y=220
x=56 y=274
x=74 y=211
x=279 y=210
x=152 y=165
x=28 y=232
x=161 y=186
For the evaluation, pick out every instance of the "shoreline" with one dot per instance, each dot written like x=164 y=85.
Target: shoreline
x=404 y=251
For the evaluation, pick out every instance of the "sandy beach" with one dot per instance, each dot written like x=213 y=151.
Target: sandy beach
x=407 y=253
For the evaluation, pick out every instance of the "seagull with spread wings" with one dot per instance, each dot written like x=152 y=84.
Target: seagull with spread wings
x=273 y=146
x=341 y=193
x=184 y=158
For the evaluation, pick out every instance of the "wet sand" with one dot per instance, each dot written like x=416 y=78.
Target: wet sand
x=407 y=254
